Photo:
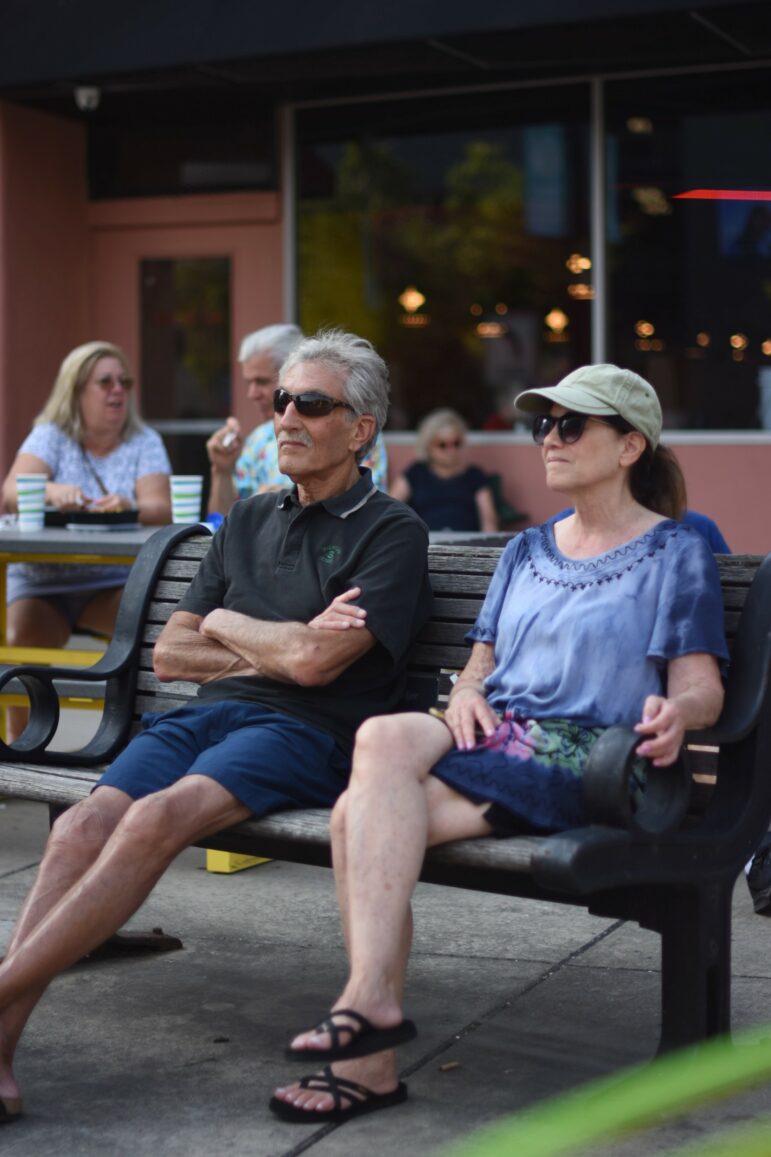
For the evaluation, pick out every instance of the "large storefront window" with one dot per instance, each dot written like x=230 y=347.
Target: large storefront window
x=689 y=244
x=455 y=236
x=185 y=314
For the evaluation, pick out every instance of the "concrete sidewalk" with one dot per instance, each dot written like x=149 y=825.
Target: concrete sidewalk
x=177 y=1054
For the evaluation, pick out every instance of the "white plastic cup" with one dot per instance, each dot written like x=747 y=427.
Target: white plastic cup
x=186 y=497
x=31 y=500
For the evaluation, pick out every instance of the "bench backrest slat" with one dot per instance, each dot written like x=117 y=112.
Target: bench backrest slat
x=459 y=579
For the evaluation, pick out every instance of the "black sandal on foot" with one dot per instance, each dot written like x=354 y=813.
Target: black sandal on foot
x=10 y=1109
x=361 y=1100
x=363 y=1040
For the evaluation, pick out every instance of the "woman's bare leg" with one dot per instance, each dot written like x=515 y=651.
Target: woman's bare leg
x=338 y=834
x=31 y=623
x=36 y=623
x=99 y=614
x=391 y=812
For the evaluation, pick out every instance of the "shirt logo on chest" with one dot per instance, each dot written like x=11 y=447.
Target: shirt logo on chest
x=330 y=554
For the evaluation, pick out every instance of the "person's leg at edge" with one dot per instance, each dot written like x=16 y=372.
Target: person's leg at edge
x=148 y=836
x=392 y=811
x=75 y=842
x=100 y=613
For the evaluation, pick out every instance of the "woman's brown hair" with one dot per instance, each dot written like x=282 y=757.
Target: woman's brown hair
x=657 y=482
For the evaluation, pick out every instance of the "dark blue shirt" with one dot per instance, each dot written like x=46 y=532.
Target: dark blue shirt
x=445 y=503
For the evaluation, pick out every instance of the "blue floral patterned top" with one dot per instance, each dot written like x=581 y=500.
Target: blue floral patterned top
x=588 y=639
x=143 y=453
x=257 y=463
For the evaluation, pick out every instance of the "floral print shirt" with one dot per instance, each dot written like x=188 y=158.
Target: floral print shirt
x=257 y=465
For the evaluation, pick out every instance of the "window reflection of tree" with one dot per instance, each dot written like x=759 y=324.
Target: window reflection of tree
x=465 y=243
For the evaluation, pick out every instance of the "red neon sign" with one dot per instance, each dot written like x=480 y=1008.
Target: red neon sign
x=723 y=195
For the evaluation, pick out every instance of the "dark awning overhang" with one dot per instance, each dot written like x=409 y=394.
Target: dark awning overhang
x=299 y=50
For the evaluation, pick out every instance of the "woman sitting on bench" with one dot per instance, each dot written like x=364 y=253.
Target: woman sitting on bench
x=610 y=616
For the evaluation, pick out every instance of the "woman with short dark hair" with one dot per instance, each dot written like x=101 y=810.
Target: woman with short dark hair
x=441 y=487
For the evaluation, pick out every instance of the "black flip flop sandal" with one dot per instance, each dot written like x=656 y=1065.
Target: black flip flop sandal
x=10 y=1109
x=363 y=1041
x=361 y=1100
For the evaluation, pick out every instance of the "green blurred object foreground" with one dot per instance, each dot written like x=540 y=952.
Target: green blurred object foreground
x=650 y=1095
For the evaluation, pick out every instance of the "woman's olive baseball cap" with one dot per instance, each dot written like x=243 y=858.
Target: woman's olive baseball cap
x=602 y=390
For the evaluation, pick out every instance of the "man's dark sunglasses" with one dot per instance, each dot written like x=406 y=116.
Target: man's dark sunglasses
x=570 y=426
x=310 y=404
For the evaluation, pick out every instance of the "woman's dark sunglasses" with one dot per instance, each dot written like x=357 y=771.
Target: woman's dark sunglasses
x=107 y=381
x=570 y=427
x=310 y=404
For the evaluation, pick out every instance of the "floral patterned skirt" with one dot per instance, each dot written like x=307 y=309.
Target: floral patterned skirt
x=529 y=772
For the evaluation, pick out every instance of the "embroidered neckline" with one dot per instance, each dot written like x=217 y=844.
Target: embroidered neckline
x=579 y=573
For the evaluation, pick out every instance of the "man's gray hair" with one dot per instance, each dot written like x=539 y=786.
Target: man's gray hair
x=276 y=340
x=366 y=385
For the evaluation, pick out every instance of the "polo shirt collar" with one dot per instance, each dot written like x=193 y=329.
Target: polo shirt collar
x=341 y=505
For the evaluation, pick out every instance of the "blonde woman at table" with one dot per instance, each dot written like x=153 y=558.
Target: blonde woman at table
x=98 y=455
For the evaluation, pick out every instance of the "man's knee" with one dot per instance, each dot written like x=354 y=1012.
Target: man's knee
x=87 y=826
x=152 y=826
x=161 y=824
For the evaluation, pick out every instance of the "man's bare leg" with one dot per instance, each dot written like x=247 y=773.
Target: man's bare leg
x=391 y=812
x=75 y=842
x=145 y=841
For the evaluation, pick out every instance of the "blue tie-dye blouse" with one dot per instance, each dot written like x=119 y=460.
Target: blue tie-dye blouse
x=589 y=639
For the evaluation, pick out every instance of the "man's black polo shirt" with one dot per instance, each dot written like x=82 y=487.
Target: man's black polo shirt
x=283 y=562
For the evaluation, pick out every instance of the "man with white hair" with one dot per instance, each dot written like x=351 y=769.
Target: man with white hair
x=242 y=467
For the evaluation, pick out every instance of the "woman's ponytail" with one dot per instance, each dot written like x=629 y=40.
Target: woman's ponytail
x=657 y=482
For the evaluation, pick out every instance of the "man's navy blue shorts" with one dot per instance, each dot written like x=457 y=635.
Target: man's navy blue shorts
x=268 y=761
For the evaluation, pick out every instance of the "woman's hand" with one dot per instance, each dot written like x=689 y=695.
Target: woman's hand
x=694 y=700
x=341 y=614
x=663 y=722
x=469 y=716
x=111 y=504
x=65 y=496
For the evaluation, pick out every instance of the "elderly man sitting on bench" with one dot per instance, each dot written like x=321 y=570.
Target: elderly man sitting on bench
x=283 y=687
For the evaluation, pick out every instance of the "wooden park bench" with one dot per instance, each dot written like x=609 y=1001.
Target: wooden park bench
x=667 y=859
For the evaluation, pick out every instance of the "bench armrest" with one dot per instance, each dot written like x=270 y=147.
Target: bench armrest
x=117 y=669
x=623 y=790
x=748 y=674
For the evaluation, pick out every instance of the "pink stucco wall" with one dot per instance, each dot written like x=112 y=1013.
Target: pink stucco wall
x=729 y=481
x=245 y=227
x=69 y=269
x=43 y=263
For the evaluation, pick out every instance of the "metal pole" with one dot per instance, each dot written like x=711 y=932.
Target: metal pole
x=599 y=193
x=288 y=211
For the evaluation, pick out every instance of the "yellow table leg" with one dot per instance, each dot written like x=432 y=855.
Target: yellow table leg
x=231 y=861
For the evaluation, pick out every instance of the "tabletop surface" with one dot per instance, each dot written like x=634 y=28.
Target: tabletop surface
x=59 y=540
